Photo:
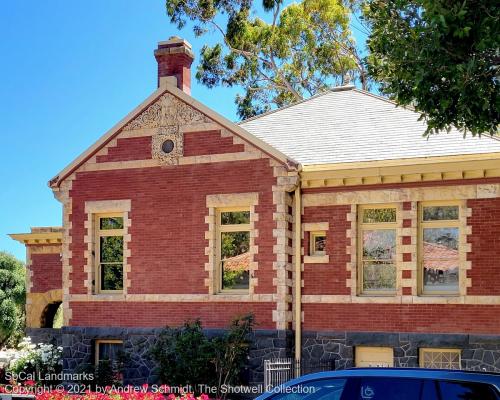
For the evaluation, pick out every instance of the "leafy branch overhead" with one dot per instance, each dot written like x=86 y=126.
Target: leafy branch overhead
x=301 y=49
x=440 y=56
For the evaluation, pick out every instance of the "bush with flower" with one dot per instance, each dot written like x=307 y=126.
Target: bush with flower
x=36 y=360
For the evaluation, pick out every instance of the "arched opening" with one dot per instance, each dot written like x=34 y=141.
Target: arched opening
x=52 y=316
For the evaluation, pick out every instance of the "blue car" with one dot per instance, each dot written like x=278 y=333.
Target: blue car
x=389 y=384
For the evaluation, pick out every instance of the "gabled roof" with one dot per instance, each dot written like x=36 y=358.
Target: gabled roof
x=166 y=87
x=346 y=125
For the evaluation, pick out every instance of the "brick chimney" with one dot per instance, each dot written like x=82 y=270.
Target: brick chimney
x=174 y=58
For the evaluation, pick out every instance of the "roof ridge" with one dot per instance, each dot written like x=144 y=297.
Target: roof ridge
x=326 y=91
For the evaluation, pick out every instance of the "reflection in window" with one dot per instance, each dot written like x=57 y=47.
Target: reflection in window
x=378 y=250
x=440 y=213
x=466 y=391
x=234 y=250
x=109 y=243
x=318 y=244
x=108 y=350
x=439 y=249
x=235 y=217
x=235 y=258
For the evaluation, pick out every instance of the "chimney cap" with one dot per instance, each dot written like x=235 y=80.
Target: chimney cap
x=175 y=41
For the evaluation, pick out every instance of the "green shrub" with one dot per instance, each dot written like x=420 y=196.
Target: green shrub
x=186 y=356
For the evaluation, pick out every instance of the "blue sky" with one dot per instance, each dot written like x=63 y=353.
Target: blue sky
x=69 y=71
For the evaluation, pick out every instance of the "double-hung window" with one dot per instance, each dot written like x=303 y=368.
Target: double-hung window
x=233 y=250
x=377 y=249
x=439 y=248
x=109 y=253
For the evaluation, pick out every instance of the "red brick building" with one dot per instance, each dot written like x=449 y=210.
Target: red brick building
x=348 y=234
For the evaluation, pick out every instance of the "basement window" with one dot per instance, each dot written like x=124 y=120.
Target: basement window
x=109 y=352
x=439 y=358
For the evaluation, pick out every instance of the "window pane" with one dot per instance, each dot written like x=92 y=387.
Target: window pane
x=379 y=244
x=109 y=351
x=319 y=243
x=235 y=217
x=374 y=215
x=378 y=276
x=440 y=213
x=322 y=389
x=441 y=260
x=235 y=257
x=389 y=389
x=111 y=248
x=111 y=276
x=111 y=223
x=466 y=391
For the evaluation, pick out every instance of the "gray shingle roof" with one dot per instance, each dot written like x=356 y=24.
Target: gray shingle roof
x=351 y=125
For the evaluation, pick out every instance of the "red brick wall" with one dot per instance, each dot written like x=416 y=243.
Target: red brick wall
x=485 y=242
x=168 y=223
x=209 y=142
x=157 y=314
x=328 y=278
x=127 y=149
x=47 y=272
x=431 y=318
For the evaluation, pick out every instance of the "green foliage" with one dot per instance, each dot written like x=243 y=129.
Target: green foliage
x=12 y=297
x=441 y=57
x=231 y=278
x=184 y=355
x=41 y=360
x=187 y=356
x=304 y=48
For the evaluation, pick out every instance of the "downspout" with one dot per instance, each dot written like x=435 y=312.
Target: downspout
x=298 y=277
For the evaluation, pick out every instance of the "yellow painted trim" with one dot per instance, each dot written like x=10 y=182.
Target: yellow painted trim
x=423 y=350
x=103 y=341
x=297 y=298
x=312 y=237
x=375 y=226
x=219 y=229
x=98 y=233
x=420 y=242
x=38 y=238
x=373 y=356
x=420 y=169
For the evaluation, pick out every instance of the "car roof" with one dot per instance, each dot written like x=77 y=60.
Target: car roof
x=422 y=373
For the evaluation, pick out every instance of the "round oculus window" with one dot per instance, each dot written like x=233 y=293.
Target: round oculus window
x=167 y=146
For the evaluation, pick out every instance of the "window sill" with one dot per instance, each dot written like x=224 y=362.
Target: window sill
x=316 y=259
x=439 y=295
x=377 y=294
x=233 y=292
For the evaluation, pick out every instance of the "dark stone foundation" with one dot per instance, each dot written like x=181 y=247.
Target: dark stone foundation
x=79 y=347
x=479 y=352
x=333 y=349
